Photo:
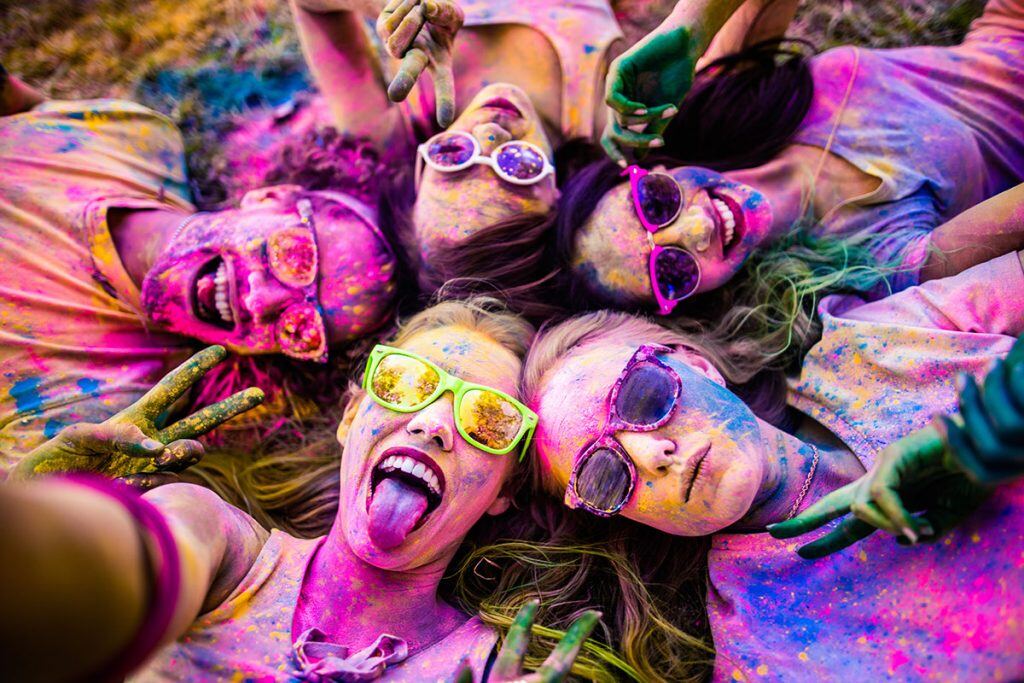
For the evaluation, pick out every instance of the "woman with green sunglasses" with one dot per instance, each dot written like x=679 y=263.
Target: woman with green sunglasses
x=202 y=591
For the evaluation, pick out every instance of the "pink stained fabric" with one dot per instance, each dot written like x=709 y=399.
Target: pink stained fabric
x=942 y=128
x=249 y=636
x=951 y=611
x=73 y=345
x=580 y=31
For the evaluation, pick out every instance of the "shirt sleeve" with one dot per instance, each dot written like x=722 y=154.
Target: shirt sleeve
x=988 y=298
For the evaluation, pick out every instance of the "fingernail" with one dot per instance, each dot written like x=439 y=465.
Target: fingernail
x=927 y=530
x=909 y=533
x=152 y=445
x=669 y=113
x=960 y=382
x=657 y=142
x=622 y=163
x=639 y=112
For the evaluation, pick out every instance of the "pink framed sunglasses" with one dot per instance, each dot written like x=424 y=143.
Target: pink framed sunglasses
x=642 y=399
x=658 y=200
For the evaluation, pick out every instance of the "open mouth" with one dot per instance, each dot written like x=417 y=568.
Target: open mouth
x=211 y=294
x=730 y=220
x=692 y=471
x=406 y=486
x=504 y=105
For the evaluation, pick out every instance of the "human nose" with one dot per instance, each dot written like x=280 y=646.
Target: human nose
x=490 y=135
x=435 y=423
x=266 y=298
x=693 y=229
x=651 y=452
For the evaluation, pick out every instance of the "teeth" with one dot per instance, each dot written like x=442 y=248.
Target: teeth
x=221 y=296
x=728 y=220
x=412 y=467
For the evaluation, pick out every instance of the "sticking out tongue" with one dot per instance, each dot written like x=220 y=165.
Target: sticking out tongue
x=206 y=290
x=394 y=510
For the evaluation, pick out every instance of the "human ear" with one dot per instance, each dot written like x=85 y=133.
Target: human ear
x=348 y=416
x=501 y=503
x=274 y=194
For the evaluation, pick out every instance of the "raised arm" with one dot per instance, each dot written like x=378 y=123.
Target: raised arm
x=346 y=68
x=82 y=588
x=986 y=230
x=646 y=83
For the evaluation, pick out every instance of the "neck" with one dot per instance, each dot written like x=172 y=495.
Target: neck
x=786 y=181
x=141 y=235
x=354 y=602
x=788 y=468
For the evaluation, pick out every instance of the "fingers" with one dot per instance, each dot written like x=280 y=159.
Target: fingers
x=144 y=481
x=210 y=417
x=835 y=504
x=845 y=535
x=610 y=148
x=110 y=438
x=976 y=420
x=622 y=137
x=867 y=511
x=623 y=105
x=444 y=89
x=1001 y=400
x=413 y=64
x=393 y=14
x=177 y=382
x=556 y=667
x=180 y=455
x=401 y=40
x=510 y=658
x=446 y=15
x=662 y=112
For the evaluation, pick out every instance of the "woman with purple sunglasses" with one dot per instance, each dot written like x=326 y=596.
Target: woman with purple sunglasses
x=657 y=432
x=524 y=88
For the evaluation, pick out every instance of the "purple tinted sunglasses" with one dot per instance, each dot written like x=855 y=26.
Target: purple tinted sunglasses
x=658 y=199
x=516 y=161
x=642 y=399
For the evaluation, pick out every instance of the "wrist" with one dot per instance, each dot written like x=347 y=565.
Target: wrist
x=367 y=8
x=701 y=21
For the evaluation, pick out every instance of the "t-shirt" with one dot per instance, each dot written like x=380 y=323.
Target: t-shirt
x=74 y=345
x=942 y=128
x=248 y=637
x=952 y=610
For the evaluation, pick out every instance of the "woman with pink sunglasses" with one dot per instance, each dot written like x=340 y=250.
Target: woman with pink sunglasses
x=663 y=430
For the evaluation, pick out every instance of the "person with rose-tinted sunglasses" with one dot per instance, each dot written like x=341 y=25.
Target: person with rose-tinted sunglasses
x=656 y=432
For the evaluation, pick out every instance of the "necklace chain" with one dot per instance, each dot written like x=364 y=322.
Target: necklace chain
x=807 y=483
x=184 y=224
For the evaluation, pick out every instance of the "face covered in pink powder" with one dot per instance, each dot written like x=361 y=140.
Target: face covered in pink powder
x=263 y=278
x=696 y=474
x=391 y=524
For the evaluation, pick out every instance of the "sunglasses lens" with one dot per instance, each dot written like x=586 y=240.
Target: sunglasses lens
x=604 y=480
x=301 y=332
x=489 y=419
x=450 y=150
x=659 y=198
x=291 y=254
x=646 y=395
x=403 y=381
x=676 y=273
x=521 y=162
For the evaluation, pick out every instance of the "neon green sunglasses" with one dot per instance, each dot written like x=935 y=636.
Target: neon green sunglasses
x=489 y=419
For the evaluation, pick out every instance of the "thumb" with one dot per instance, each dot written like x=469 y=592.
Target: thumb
x=111 y=438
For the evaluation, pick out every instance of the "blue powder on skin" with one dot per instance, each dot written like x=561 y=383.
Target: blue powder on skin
x=89 y=386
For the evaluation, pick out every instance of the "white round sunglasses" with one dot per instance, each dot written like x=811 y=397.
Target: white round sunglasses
x=517 y=162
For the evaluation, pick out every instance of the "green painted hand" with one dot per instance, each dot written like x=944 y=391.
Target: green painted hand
x=911 y=475
x=643 y=90
x=508 y=666
x=989 y=442
x=421 y=34
x=130 y=444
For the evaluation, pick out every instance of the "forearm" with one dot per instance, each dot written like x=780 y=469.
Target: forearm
x=753 y=22
x=346 y=69
x=75 y=580
x=367 y=8
x=992 y=228
x=703 y=18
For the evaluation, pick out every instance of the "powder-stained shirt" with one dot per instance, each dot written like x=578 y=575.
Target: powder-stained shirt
x=73 y=342
x=950 y=611
x=942 y=128
x=248 y=637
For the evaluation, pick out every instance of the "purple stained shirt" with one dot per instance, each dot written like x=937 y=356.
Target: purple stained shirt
x=942 y=128
x=953 y=610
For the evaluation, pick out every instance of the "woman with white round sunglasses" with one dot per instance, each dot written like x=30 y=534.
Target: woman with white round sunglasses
x=524 y=82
